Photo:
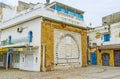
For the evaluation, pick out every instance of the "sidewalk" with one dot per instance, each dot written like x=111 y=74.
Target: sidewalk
x=90 y=72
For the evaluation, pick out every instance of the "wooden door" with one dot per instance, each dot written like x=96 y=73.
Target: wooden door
x=105 y=59
x=117 y=57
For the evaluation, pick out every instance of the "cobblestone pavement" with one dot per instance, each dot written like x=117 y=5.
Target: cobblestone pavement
x=90 y=72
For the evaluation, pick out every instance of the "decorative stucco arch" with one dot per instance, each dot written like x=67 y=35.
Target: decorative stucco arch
x=73 y=38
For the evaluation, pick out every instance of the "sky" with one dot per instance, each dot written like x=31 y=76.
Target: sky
x=94 y=9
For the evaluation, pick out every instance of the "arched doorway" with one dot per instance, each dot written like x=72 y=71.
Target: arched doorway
x=105 y=59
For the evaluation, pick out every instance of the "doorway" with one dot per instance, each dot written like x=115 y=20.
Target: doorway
x=105 y=59
x=10 y=59
x=117 y=57
x=93 y=58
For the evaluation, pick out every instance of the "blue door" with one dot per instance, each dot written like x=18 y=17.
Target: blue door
x=93 y=59
x=9 y=61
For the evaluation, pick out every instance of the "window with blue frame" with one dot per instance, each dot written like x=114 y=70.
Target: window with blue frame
x=58 y=8
x=30 y=36
x=79 y=16
x=63 y=10
x=71 y=13
x=106 y=37
x=67 y=11
x=9 y=40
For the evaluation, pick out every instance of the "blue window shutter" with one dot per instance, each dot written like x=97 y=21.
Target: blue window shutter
x=79 y=16
x=30 y=36
x=9 y=39
x=71 y=13
x=66 y=11
x=63 y=10
x=106 y=37
x=58 y=8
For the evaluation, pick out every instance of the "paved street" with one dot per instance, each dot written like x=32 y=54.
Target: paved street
x=90 y=72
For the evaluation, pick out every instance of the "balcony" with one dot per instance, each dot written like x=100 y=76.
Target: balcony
x=61 y=16
x=19 y=41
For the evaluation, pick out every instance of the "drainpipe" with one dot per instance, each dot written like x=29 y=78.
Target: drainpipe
x=43 y=58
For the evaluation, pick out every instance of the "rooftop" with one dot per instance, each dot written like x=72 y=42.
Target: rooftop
x=41 y=10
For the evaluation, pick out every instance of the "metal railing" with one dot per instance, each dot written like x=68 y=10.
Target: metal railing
x=14 y=41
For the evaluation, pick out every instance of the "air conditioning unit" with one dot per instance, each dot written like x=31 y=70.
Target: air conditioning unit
x=19 y=29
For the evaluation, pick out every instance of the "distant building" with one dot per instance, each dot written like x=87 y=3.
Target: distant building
x=24 y=6
x=112 y=18
x=2 y=5
x=104 y=43
x=44 y=37
x=8 y=12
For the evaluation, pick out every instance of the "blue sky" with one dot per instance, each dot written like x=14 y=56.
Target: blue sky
x=94 y=9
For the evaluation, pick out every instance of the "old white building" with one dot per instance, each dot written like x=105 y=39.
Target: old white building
x=26 y=42
x=104 y=42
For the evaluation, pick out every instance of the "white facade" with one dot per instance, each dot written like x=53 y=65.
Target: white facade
x=114 y=35
x=21 y=39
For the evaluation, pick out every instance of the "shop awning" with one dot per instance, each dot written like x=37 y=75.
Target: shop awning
x=3 y=49
x=16 y=48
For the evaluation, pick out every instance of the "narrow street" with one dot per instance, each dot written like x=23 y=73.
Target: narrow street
x=90 y=72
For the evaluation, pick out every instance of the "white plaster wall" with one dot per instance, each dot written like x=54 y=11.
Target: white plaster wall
x=35 y=65
x=23 y=64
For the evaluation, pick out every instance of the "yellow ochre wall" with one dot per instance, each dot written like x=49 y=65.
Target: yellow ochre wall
x=48 y=39
x=99 y=56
